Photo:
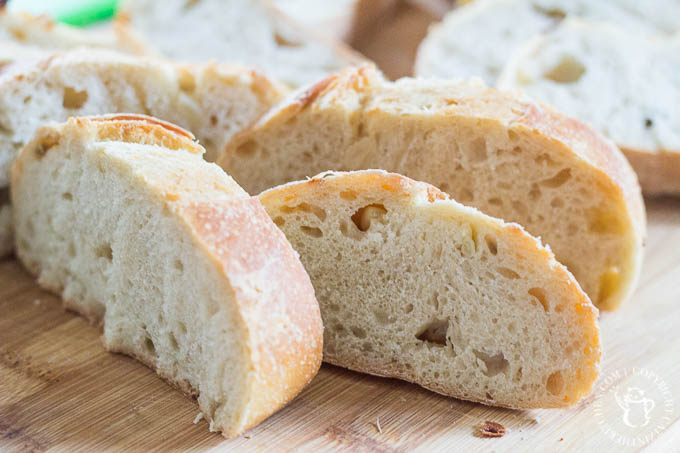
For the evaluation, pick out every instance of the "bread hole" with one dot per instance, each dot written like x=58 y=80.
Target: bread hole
x=187 y=82
x=464 y=196
x=67 y=196
x=46 y=144
x=491 y=244
x=508 y=273
x=285 y=42
x=408 y=309
x=149 y=346
x=179 y=265
x=544 y=159
x=182 y=327
x=71 y=250
x=518 y=375
x=535 y=192
x=512 y=327
x=246 y=149
x=558 y=180
x=334 y=307
x=279 y=221
x=555 y=383
x=493 y=364
x=358 y=332
x=478 y=152
x=489 y=396
x=434 y=332
x=605 y=221
x=513 y=136
x=539 y=294
x=311 y=231
x=27 y=99
x=520 y=208
x=307 y=208
x=74 y=99
x=552 y=13
x=348 y=195
x=213 y=120
x=190 y=4
x=609 y=284
x=364 y=217
x=104 y=251
x=366 y=346
x=382 y=317
x=568 y=70
x=350 y=232
x=434 y=300
x=173 y=341
x=495 y=201
x=557 y=202
x=437 y=252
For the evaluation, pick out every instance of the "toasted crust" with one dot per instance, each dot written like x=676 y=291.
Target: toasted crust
x=426 y=105
x=377 y=184
x=658 y=172
x=269 y=284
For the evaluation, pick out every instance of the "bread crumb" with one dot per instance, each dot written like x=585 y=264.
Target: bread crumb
x=492 y=429
x=198 y=418
x=377 y=425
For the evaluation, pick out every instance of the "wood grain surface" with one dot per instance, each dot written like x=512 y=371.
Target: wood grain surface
x=60 y=391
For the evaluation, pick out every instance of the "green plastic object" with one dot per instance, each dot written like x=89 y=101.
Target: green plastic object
x=72 y=12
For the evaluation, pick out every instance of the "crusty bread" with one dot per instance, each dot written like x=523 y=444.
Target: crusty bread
x=624 y=84
x=251 y=32
x=214 y=101
x=344 y=20
x=512 y=158
x=187 y=273
x=416 y=286
x=42 y=33
x=478 y=38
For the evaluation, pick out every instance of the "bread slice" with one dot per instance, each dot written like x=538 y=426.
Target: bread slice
x=414 y=285
x=624 y=84
x=250 y=32
x=512 y=158
x=478 y=38
x=123 y=218
x=35 y=33
x=213 y=100
x=344 y=20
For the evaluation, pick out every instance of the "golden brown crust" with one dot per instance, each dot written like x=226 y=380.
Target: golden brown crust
x=275 y=297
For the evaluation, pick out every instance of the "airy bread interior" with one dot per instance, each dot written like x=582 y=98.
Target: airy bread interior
x=477 y=39
x=122 y=231
x=625 y=84
x=416 y=286
x=511 y=158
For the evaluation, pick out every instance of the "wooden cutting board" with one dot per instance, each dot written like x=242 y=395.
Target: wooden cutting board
x=60 y=391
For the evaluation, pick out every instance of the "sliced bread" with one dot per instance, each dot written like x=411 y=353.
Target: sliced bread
x=213 y=100
x=414 y=285
x=123 y=218
x=477 y=38
x=624 y=84
x=512 y=158
x=250 y=32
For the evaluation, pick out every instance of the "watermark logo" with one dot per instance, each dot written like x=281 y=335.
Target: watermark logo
x=633 y=406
